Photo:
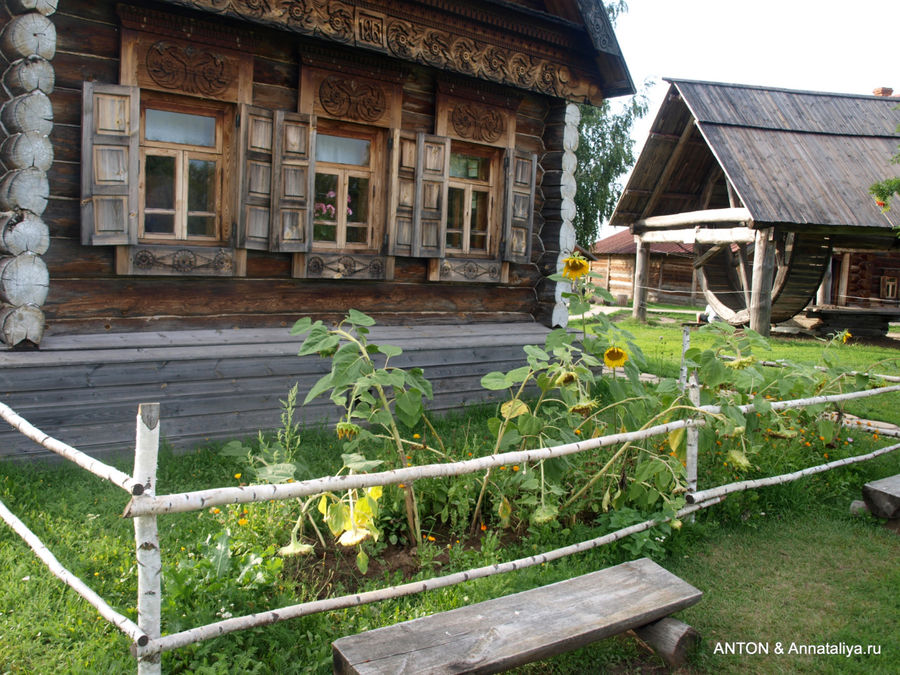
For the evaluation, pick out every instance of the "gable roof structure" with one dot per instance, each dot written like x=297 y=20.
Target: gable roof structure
x=799 y=160
x=622 y=243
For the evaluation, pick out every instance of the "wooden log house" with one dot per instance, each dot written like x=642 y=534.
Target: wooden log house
x=189 y=177
x=765 y=184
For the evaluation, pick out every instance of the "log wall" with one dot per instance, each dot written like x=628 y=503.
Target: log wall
x=217 y=385
x=86 y=295
x=864 y=279
x=670 y=280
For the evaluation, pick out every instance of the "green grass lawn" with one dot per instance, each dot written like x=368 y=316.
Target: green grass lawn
x=785 y=564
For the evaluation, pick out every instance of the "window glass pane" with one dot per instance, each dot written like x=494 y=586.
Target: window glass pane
x=357 y=199
x=176 y=127
x=159 y=223
x=159 y=176
x=324 y=232
x=456 y=207
x=469 y=166
x=325 y=205
x=201 y=185
x=357 y=235
x=201 y=226
x=478 y=224
x=342 y=150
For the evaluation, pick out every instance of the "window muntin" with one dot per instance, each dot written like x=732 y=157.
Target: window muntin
x=342 y=216
x=181 y=173
x=470 y=200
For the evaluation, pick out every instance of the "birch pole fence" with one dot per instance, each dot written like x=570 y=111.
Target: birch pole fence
x=145 y=506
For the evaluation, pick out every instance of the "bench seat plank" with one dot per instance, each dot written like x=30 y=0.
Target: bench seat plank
x=883 y=497
x=495 y=635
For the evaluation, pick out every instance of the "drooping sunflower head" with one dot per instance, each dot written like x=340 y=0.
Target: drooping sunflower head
x=584 y=407
x=565 y=377
x=615 y=357
x=575 y=267
x=347 y=430
x=846 y=336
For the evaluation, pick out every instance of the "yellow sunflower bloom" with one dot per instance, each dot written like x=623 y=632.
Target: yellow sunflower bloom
x=575 y=267
x=614 y=357
x=847 y=335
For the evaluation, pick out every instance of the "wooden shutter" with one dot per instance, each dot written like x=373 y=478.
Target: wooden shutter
x=518 y=215
x=110 y=128
x=255 y=170
x=293 y=184
x=432 y=184
x=403 y=193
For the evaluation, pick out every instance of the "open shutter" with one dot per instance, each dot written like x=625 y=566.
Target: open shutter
x=255 y=166
x=293 y=169
x=518 y=215
x=432 y=183
x=110 y=127
x=403 y=192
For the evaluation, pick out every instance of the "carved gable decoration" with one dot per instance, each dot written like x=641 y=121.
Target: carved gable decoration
x=349 y=96
x=180 y=56
x=429 y=39
x=475 y=121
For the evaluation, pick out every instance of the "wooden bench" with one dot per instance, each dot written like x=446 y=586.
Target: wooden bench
x=495 y=635
x=882 y=497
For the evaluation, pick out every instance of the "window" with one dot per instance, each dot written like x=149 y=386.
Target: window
x=181 y=172
x=470 y=200
x=342 y=213
x=889 y=288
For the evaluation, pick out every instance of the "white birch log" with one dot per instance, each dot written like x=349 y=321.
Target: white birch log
x=176 y=640
x=31 y=34
x=23 y=280
x=123 y=623
x=25 y=190
x=23 y=233
x=45 y=7
x=33 y=73
x=28 y=112
x=146 y=535
x=200 y=499
x=21 y=325
x=31 y=149
x=740 y=486
x=94 y=466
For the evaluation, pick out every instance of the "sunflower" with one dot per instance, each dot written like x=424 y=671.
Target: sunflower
x=846 y=336
x=584 y=407
x=614 y=357
x=575 y=266
x=347 y=430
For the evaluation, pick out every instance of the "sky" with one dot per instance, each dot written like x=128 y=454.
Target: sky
x=818 y=45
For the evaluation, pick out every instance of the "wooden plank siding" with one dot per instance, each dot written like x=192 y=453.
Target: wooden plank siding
x=221 y=384
x=670 y=281
x=87 y=296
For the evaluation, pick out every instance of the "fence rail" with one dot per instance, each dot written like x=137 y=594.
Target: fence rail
x=145 y=506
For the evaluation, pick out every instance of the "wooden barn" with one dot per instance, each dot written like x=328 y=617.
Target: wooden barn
x=186 y=178
x=671 y=277
x=765 y=184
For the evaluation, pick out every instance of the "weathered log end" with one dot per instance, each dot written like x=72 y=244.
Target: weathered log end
x=24 y=280
x=31 y=34
x=883 y=497
x=670 y=638
x=45 y=7
x=858 y=507
x=21 y=328
x=23 y=232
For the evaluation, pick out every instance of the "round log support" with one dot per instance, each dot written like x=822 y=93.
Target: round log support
x=670 y=638
x=24 y=280
x=30 y=150
x=22 y=326
x=25 y=190
x=33 y=73
x=27 y=35
x=23 y=233
x=28 y=43
x=567 y=189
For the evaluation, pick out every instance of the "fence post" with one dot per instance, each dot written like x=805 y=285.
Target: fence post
x=146 y=535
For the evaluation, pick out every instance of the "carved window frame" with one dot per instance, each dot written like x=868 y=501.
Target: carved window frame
x=214 y=74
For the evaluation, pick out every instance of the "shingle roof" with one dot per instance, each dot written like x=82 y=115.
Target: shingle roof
x=793 y=157
x=622 y=243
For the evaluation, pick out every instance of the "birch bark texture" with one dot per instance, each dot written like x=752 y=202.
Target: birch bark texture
x=28 y=43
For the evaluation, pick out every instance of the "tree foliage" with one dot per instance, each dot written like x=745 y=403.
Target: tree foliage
x=605 y=152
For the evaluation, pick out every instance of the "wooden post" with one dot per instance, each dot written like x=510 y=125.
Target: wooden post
x=844 y=282
x=692 y=451
x=823 y=295
x=761 y=291
x=670 y=638
x=641 y=274
x=146 y=536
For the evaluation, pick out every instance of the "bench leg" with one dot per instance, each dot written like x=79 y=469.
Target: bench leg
x=670 y=638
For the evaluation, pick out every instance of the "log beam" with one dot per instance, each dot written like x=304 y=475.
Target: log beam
x=668 y=170
x=694 y=218
x=670 y=638
x=700 y=235
x=641 y=275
